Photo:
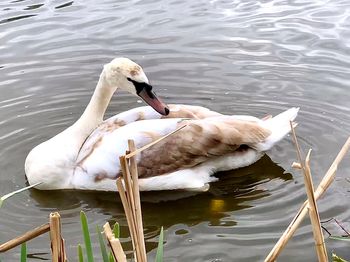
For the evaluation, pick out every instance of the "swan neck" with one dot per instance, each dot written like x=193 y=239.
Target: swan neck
x=95 y=110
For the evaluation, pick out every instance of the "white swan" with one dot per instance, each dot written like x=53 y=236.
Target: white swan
x=86 y=155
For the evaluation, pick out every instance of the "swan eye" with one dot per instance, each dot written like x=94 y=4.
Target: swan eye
x=139 y=86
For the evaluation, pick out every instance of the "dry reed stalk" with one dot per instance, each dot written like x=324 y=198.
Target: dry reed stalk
x=58 y=250
x=55 y=237
x=313 y=210
x=323 y=186
x=128 y=212
x=136 y=191
x=25 y=237
x=313 y=213
x=130 y=195
x=117 y=249
x=129 y=204
x=128 y=184
x=63 y=250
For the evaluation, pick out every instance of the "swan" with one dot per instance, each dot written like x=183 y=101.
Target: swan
x=86 y=155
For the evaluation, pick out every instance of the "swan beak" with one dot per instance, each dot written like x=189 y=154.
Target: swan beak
x=151 y=99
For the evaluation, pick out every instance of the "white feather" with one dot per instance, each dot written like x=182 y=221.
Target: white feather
x=279 y=127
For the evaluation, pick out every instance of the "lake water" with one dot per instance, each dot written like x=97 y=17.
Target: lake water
x=236 y=57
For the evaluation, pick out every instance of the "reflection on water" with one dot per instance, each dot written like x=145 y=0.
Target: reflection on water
x=238 y=57
x=234 y=191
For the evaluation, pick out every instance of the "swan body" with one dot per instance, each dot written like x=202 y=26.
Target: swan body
x=86 y=155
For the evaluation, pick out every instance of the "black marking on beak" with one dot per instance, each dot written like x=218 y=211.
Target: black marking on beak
x=144 y=91
x=141 y=86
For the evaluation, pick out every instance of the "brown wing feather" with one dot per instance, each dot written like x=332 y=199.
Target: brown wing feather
x=113 y=123
x=198 y=142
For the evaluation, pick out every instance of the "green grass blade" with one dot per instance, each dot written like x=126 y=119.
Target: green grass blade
x=102 y=245
x=159 y=256
x=87 y=240
x=340 y=238
x=116 y=230
x=335 y=258
x=3 y=198
x=111 y=257
x=80 y=254
x=24 y=252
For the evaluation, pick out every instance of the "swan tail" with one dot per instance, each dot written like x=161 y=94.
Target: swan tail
x=279 y=127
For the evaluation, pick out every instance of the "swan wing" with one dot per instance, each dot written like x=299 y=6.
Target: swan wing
x=199 y=141
x=137 y=114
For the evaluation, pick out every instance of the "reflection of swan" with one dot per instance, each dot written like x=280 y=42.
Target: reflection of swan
x=85 y=156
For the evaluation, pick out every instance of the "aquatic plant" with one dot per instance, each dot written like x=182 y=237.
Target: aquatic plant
x=310 y=204
x=116 y=252
x=24 y=252
x=336 y=258
x=87 y=238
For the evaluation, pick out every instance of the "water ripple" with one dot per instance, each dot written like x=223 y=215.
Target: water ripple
x=237 y=57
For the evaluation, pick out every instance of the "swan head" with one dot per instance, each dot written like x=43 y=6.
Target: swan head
x=125 y=74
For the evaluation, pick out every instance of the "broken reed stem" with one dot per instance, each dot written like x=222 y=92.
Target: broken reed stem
x=63 y=250
x=136 y=191
x=128 y=184
x=127 y=210
x=297 y=147
x=131 y=201
x=117 y=249
x=57 y=247
x=325 y=183
x=313 y=210
x=25 y=237
x=313 y=213
x=55 y=237
x=130 y=196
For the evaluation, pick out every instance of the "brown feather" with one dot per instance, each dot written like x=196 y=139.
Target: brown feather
x=198 y=142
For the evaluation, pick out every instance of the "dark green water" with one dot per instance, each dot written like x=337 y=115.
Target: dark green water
x=235 y=57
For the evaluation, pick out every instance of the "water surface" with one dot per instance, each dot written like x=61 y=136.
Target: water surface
x=235 y=57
